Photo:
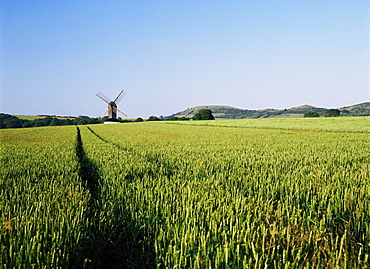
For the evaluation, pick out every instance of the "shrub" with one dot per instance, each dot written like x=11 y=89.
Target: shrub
x=203 y=114
x=311 y=115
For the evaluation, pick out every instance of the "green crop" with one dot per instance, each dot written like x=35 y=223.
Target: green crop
x=42 y=199
x=345 y=124
x=165 y=195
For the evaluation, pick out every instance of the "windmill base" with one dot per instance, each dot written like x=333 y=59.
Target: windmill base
x=111 y=122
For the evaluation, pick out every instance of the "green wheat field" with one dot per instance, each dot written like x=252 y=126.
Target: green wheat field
x=261 y=193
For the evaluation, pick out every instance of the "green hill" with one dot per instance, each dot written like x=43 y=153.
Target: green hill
x=228 y=112
x=356 y=110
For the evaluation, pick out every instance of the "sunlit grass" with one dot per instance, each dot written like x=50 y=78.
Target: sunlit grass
x=42 y=203
x=341 y=124
x=269 y=193
x=234 y=197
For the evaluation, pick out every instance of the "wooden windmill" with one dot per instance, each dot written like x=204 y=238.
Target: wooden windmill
x=112 y=109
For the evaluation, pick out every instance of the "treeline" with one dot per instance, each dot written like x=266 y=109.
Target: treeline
x=328 y=113
x=9 y=121
x=155 y=118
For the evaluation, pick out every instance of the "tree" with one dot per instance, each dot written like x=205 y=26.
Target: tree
x=105 y=118
x=13 y=123
x=67 y=122
x=203 y=114
x=153 y=118
x=311 y=115
x=80 y=121
x=183 y=118
x=332 y=113
x=27 y=124
x=139 y=119
x=54 y=122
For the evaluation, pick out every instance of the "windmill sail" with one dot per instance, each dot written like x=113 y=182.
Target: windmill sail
x=121 y=112
x=119 y=97
x=102 y=114
x=103 y=97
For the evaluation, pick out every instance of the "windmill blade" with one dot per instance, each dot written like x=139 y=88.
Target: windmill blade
x=121 y=112
x=102 y=114
x=103 y=97
x=119 y=97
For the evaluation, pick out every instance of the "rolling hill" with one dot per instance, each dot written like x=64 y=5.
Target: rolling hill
x=228 y=112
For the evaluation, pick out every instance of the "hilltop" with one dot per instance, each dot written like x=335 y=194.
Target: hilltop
x=228 y=112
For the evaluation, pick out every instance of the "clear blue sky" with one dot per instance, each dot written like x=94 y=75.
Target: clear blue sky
x=171 y=55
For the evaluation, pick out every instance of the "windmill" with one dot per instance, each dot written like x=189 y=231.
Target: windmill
x=112 y=106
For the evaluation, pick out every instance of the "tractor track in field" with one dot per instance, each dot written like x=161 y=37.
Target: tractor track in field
x=99 y=249
x=106 y=248
x=149 y=157
x=131 y=150
x=88 y=171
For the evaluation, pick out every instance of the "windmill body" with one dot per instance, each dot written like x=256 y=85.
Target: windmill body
x=112 y=109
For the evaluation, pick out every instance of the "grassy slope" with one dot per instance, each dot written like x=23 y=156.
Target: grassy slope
x=341 y=124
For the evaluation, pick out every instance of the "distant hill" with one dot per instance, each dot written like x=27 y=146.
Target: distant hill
x=228 y=112
x=362 y=109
